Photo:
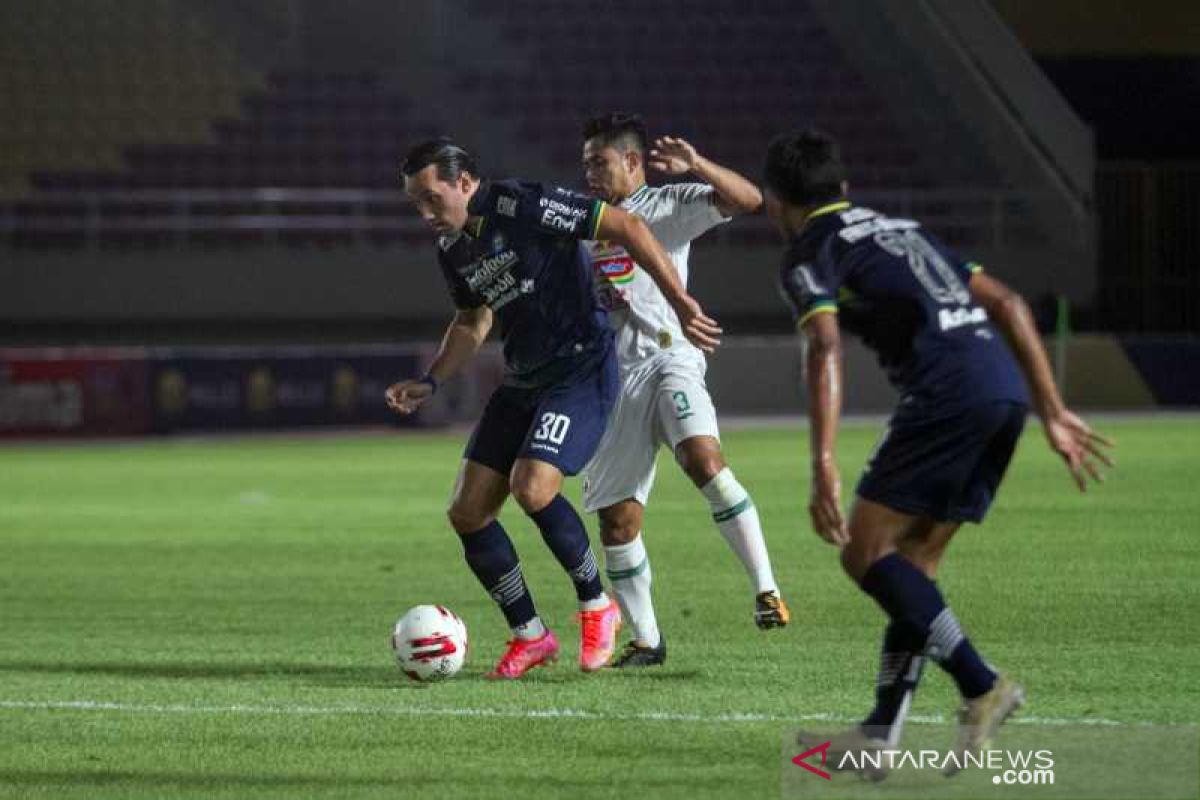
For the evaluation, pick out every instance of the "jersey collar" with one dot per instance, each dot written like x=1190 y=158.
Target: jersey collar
x=812 y=223
x=831 y=208
x=637 y=194
x=478 y=202
x=476 y=209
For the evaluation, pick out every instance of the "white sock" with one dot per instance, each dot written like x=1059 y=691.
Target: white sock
x=595 y=604
x=534 y=629
x=737 y=519
x=628 y=570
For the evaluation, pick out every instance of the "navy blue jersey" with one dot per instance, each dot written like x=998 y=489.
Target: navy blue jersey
x=521 y=255
x=906 y=296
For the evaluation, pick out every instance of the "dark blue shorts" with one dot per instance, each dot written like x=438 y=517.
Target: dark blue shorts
x=561 y=425
x=947 y=468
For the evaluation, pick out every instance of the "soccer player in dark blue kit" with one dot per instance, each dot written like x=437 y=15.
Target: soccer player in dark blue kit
x=938 y=325
x=512 y=251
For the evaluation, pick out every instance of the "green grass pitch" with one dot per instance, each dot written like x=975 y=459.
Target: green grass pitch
x=210 y=618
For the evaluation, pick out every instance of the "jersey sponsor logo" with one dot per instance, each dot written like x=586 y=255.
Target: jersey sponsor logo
x=951 y=318
x=555 y=220
x=493 y=291
x=560 y=216
x=481 y=272
x=614 y=269
x=505 y=289
x=507 y=206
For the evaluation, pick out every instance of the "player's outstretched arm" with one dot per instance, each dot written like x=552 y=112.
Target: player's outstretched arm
x=632 y=233
x=467 y=331
x=823 y=378
x=735 y=194
x=1080 y=447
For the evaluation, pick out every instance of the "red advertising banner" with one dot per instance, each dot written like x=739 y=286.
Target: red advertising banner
x=73 y=393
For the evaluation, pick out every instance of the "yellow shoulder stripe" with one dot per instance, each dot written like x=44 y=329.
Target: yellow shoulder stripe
x=600 y=207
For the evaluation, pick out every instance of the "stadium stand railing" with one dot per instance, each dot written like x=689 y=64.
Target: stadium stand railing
x=281 y=215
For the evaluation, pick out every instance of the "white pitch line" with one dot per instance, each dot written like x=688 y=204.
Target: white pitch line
x=502 y=713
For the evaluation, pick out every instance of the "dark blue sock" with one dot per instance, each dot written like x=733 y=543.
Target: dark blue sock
x=901 y=663
x=911 y=599
x=566 y=537
x=491 y=556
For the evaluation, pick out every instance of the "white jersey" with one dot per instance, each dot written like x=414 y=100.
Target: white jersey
x=645 y=324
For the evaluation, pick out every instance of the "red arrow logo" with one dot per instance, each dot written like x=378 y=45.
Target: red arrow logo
x=822 y=749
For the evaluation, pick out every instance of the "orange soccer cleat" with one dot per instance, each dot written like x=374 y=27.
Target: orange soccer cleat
x=598 y=636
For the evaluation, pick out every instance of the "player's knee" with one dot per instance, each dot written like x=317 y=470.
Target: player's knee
x=852 y=564
x=618 y=531
x=531 y=494
x=701 y=464
x=466 y=520
x=924 y=556
x=858 y=556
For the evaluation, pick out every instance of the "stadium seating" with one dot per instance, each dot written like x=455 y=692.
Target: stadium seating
x=730 y=76
x=80 y=80
x=150 y=105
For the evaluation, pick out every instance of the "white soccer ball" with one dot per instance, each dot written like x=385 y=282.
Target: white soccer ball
x=430 y=643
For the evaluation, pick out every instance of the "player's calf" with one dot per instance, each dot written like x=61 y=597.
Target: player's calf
x=737 y=520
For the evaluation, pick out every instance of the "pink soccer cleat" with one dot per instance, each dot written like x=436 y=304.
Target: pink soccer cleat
x=523 y=655
x=598 y=636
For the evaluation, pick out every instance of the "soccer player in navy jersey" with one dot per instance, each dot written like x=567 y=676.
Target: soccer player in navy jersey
x=512 y=251
x=938 y=325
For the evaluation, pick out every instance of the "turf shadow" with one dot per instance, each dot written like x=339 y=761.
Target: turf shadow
x=573 y=675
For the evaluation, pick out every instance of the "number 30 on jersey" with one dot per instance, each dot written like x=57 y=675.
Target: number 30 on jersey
x=553 y=428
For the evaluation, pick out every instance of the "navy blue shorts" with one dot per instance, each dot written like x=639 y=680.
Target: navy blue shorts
x=947 y=468
x=561 y=425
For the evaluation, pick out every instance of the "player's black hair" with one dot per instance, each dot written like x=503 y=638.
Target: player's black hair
x=805 y=168
x=452 y=160
x=618 y=129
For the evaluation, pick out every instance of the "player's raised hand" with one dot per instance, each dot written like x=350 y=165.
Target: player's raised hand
x=673 y=156
x=699 y=328
x=407 y=396
x=825 y=504
x=1082 y=448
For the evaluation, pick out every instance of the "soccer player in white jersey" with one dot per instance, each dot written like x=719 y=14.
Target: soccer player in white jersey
x=663 y=397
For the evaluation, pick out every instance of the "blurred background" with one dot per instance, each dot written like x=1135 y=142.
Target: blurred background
x=201 y=226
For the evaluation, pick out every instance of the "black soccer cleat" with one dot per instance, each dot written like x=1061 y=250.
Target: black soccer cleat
x=635 y=655
x=770 y=611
